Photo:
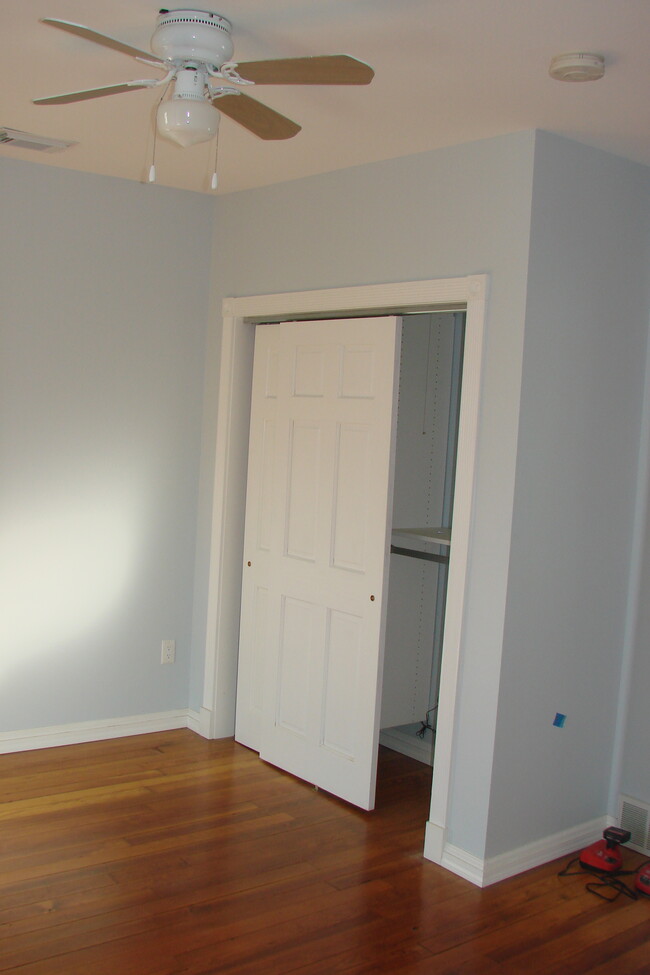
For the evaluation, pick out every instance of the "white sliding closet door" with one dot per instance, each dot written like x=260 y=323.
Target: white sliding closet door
x=316 y=549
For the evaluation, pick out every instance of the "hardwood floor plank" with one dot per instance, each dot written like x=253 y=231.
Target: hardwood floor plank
x=578 y=946
x=166 y=854
x=631 y=960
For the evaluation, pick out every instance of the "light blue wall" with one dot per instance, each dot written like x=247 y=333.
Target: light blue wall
x=634 y=778
x=447 y=213
x=104 y=296
x=582 y=388
x=107 y=448
x=562 y=483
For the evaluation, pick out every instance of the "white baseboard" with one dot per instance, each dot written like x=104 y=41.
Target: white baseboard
x=216 y=724
x=434 y=842
x=205 y=723
x=543 y=851
x=407 y=744
x=194 y=721
x=75 y=734
x=490 y=871
x=464 y=864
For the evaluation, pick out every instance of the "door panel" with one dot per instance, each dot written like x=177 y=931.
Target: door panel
x=342 y=653
x=299 y=634
x=348 y=522
x=304 y=469
x=317 y=541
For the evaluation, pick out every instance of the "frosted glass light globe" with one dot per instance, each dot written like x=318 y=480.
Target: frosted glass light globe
x=187 y=121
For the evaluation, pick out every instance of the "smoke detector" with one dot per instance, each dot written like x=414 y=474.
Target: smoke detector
x=577 y=67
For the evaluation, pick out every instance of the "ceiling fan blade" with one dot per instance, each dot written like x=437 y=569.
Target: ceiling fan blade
x=104 y=39
x=333 y=69
x=81 y=96
x=256 y=117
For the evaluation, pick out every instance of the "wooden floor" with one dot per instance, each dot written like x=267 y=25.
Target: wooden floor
x=167 y=854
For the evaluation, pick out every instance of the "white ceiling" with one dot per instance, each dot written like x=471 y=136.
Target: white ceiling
x=447 y=72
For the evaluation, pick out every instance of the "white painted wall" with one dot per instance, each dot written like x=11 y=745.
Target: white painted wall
x=583 y=371
x=104 y=297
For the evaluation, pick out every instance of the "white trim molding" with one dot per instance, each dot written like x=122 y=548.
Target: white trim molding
x=228 y=511
x=483 y=873
x=76 y=734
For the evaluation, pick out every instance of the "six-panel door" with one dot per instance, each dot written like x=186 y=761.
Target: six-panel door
x=316 y=549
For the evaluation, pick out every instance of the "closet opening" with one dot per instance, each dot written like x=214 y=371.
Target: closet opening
x=352 y=449
x=428 y=412
x=239 y=318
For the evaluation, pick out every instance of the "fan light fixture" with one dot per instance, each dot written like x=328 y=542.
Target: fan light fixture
x=187 y=122
x=194 y=49
x=188 y=117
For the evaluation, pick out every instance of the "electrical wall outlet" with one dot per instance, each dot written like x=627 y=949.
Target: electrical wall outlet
x=168 y=652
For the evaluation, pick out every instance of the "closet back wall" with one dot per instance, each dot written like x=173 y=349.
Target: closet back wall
x=420 y=465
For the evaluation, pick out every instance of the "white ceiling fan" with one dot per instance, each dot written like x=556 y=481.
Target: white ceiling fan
x=194 y=48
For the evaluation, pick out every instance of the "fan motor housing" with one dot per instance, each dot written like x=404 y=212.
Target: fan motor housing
x=192 y=35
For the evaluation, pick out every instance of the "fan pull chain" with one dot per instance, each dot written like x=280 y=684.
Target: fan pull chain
x=152 y=168
x=214 y=181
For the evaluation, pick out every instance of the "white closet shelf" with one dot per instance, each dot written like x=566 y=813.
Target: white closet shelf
x=439 y=536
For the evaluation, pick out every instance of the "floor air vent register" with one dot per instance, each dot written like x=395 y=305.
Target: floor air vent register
x=634 y=816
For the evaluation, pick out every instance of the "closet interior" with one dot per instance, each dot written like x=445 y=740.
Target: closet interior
x=425 y=462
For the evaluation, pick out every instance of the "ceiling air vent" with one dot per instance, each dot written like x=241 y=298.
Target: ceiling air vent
x=27 y=140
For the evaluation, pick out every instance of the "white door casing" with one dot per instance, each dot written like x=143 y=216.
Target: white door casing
x=318 y=507
x=217 y=714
